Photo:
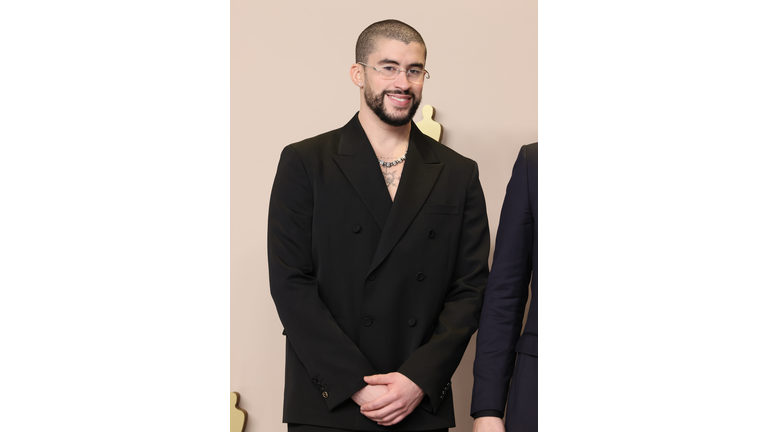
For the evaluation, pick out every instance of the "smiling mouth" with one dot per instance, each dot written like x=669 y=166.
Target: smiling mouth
x=399 y=99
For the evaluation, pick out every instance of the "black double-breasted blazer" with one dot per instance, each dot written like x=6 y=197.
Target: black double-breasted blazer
x=364 y=285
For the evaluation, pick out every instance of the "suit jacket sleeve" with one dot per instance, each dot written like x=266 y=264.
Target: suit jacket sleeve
x=505 y=298
x=432 y=365
x=332 y=360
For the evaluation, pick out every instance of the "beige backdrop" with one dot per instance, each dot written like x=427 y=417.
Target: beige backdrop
x=289 y=81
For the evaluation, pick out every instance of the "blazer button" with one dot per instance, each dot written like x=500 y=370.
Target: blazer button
x=420 y=276
x=431 y=234
x=367 y=322
x=325 y=395
x=372 y=276
x=355 y=228
x=411 y=321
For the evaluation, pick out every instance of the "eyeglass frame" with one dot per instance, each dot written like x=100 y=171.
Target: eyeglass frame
x=425 y=73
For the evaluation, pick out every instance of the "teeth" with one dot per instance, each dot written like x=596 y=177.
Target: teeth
x=397 y=98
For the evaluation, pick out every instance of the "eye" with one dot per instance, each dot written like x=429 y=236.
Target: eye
x=389 y=69
x=415 y=72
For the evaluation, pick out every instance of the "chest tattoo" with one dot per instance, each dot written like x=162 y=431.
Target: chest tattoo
x=391 y=176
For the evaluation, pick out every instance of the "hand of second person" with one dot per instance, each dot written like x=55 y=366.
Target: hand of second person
x=403 y=395
x=488 y=424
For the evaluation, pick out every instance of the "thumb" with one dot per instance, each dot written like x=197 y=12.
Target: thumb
x=376 y=379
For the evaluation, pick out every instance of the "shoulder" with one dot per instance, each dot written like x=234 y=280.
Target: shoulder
x=306 y=155
x=434 y=151
x=310 y=153
x=529 y=156
x=530 y=152
x=329 y=143
x=318 y=144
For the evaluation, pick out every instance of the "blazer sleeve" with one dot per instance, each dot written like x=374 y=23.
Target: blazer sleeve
x=432 y=365
x=505 y=298
x=332 y=360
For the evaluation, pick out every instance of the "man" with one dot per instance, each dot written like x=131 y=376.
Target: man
x=378 y=256
x=515 y=264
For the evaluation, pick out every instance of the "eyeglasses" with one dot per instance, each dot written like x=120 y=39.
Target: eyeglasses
x=414 y=75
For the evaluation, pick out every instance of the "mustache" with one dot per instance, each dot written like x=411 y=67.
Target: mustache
x=399 y=92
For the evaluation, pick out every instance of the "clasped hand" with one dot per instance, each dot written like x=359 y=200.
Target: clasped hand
x=388 y=398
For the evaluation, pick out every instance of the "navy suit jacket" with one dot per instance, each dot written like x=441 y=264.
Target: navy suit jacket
x=515 y=265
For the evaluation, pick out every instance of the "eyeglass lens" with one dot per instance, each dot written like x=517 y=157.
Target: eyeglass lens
x=412 y=75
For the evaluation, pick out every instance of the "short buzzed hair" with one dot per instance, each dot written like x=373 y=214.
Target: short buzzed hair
x=387 y=29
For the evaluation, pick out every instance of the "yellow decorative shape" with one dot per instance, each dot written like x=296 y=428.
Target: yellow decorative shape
x=428 y=126
x=237 y=416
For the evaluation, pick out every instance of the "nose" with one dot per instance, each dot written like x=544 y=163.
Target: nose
x=401 y=80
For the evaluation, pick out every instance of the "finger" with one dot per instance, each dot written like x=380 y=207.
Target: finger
x=377 y=379
x=374 y=416
x=386 y=413
x=395 y=420
x=380 y=402
x=379 y=414
x=398 y=414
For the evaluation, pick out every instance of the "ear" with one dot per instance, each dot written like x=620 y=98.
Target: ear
x=356 y=74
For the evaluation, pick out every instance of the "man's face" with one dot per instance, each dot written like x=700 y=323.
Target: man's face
x=394 y=101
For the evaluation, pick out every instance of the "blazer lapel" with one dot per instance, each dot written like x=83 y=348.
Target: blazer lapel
x=357 y=161
x=420 y=173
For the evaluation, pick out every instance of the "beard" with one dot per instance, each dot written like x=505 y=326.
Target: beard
x=376 y=103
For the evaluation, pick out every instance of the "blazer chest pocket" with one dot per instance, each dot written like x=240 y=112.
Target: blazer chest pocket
x=447 y=209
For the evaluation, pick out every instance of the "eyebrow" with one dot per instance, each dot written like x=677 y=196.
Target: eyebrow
x=388 y=61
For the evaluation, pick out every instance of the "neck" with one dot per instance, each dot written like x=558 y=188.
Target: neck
x=386 y=140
